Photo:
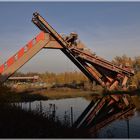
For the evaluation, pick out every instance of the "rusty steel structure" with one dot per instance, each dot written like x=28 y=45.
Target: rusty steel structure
x=105 y=73
x=103 y=111
x=24 y=78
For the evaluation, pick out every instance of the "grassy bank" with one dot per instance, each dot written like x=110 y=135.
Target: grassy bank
x=66 y=93
x=8 y=95
x=18 y=123
x=27 y=95
x=32 y=94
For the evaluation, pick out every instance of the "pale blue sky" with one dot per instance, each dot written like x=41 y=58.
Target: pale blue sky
x=107 y=28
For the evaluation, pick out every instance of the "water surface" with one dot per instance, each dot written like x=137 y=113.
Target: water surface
x=117 y=129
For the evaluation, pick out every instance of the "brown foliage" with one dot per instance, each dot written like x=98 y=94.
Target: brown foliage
x=133 y=63
x=65 y=77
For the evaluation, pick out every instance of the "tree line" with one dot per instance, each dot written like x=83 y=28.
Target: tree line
x=61 y=78
x=77 y=76
x=133 y=63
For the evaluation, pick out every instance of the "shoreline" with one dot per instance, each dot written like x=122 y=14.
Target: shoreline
x=29 y=95
x=67 y=93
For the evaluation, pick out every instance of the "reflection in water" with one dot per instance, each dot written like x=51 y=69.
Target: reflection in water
x=136 y=100
x=63 y=107
x=117 y=128
x=104 y=111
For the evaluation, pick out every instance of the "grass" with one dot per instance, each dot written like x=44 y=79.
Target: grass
x=27 y=95
x=30 y=94
x=18 y=123
x=66 y=93
x=8 y=95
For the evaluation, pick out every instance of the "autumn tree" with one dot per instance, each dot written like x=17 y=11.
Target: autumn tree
x=122 y=61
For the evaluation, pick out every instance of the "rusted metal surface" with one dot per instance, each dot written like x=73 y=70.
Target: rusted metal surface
x=105 y=73
x=104 y=111
x=23 y=56
x=24 y=78
x=110 y=119
x=108 y=75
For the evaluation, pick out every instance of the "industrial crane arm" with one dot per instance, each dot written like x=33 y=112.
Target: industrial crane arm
x=95 y=68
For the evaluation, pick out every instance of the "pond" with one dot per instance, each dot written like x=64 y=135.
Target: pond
x=75 y=106
x=62 y=107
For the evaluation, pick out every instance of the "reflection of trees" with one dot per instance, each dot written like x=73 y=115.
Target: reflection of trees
x=136 y=100
x=93 y=97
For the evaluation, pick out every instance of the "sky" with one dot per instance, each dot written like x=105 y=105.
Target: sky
x=107 y=28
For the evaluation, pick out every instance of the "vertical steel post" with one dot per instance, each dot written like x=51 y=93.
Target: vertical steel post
x=127 y=121
x=54 y=110
x=71 y=116
x=40 y=107
x=29 y=106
